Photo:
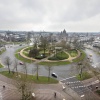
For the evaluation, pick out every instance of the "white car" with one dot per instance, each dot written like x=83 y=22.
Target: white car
x=54 y=75
x=94 y=66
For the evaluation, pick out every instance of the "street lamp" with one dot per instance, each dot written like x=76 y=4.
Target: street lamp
x=80 y=65
x=18 y=54
x=31 y=59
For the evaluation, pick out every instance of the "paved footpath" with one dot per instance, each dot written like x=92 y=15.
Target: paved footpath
x=42 y=91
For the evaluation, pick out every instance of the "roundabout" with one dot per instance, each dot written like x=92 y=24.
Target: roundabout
x=68 y=57
x=61 y=67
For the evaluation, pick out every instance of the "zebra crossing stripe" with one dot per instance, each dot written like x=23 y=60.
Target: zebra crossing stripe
x=73 y=82
x=1 y=96
x=78 y=86
x=68 y=78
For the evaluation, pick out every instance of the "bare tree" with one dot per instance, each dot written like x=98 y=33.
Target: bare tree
x=44 y=44
x=84 y=65
x=49 y=68
x=28 y=38
x=24 y=87
x=25 y=68
x=62 y=44
x=37 y=70
x=8 y=62
x=15 y=65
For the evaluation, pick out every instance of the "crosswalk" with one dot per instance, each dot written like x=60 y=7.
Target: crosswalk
x=1 y=96
x=76 y=85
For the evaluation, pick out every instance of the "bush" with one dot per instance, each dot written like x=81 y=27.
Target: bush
x=39 y=57
x=53 y=58
x=57 y=58
x=85 y=75
x=98 y=92
x=33 y=52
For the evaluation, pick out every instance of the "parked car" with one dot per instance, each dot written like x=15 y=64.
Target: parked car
x=21 y=63
x=54 y=75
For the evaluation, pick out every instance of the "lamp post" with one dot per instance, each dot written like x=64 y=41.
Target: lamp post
x=18 y=54
x=31 y=59
x=80 y=66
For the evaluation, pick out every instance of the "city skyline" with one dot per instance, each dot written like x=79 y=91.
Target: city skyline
x=50 y=15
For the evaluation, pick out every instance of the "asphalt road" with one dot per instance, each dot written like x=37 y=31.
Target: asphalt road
x=95 y=58
x=62 y=71
x=82 y=90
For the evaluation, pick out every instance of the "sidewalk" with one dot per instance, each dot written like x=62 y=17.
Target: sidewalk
x=42 y=91
x=90 y=81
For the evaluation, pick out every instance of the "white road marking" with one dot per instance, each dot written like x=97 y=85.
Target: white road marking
x=1 y=96
x=68 y=78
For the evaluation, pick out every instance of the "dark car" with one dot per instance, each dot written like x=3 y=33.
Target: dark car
x=54 y=75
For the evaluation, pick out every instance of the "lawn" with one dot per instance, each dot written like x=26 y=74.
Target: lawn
x=85 y=75
x=25 y=53
x=18 y=56
x=59 y=56
x=82 y=56
x=98 y=92
x=28 y=48
x=30 y=78
x=1 y=65
x=2 y=51
x=22 y=58
x=55 y=63
x=62 y=54
x=73 y=53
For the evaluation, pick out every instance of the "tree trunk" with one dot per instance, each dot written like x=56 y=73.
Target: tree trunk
x=37 y=73
x=44 y=53
x=16 y=71
x=81 y=73
x=9 y=69
x=49 y=76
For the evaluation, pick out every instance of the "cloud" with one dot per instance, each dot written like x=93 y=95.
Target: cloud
x=50 y=15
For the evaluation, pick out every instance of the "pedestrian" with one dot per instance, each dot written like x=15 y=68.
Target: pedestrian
x=3 y=86
x=96 y=87
x=54 y=94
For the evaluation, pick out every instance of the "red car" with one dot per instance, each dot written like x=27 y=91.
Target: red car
x=21 y=63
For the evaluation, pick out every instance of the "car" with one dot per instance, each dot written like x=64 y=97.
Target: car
x=94 y=66
x=21 y=63
x=20 y=45
x=54 y=75
x=90 y=55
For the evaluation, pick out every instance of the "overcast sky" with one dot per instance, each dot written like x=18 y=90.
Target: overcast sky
x=50 y=15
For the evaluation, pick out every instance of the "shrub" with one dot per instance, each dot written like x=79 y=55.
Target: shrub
x=33 y=53
x=53 y=58
x=39 y=57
